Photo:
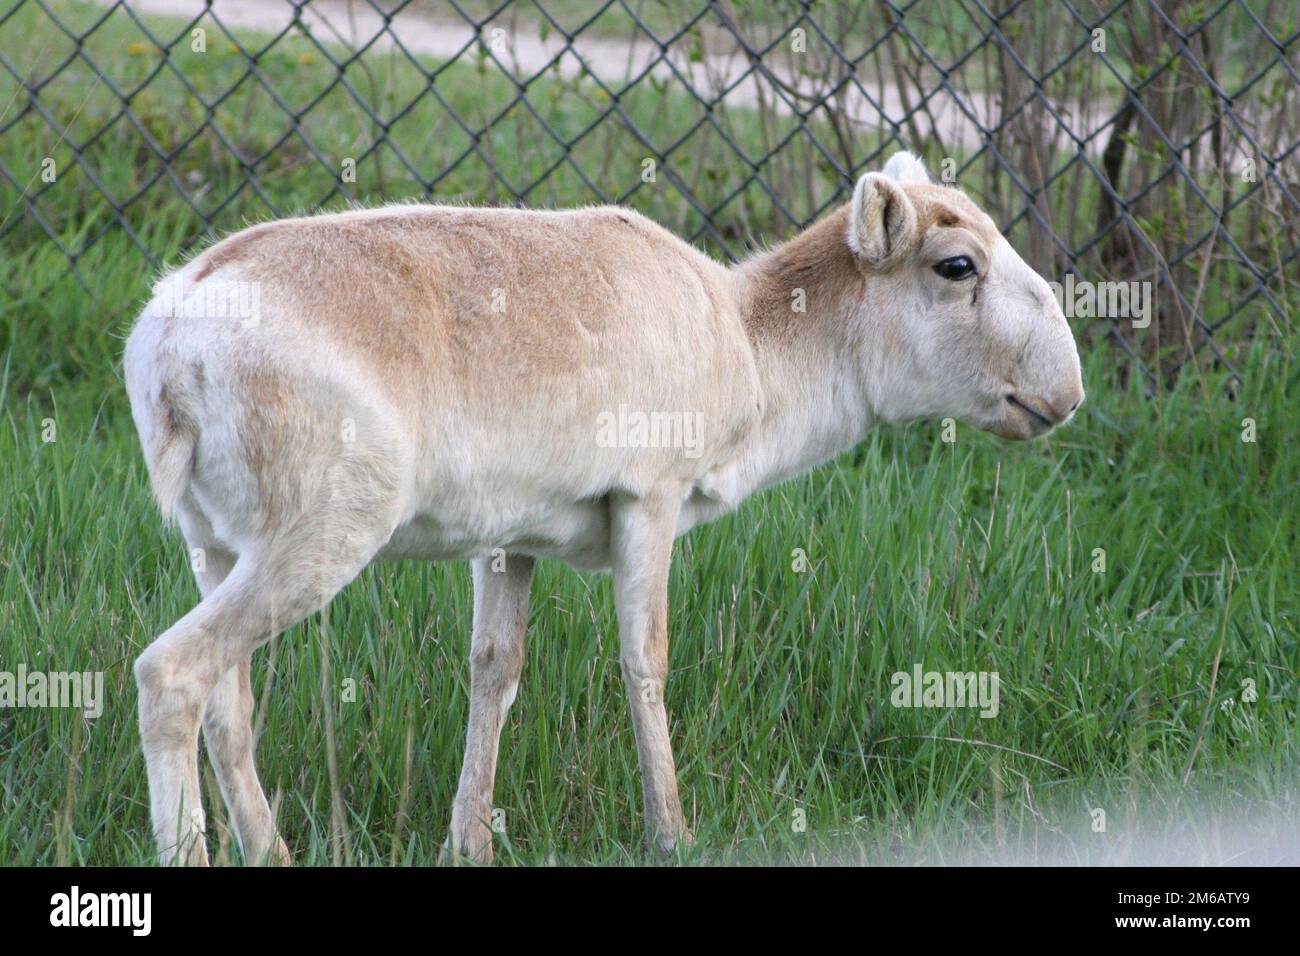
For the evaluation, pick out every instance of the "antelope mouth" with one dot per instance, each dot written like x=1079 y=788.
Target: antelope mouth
x=1035 y=416
x=1025 y=422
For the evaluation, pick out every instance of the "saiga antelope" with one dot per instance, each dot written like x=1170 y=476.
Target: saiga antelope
x=427 y=381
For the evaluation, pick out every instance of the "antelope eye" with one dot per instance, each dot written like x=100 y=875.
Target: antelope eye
x=956 y=268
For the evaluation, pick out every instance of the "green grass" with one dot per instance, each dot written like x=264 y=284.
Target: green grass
x=971 y=556
x=975 y=555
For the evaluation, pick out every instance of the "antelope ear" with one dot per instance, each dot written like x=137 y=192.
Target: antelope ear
x=882 y=220
x=904 y=167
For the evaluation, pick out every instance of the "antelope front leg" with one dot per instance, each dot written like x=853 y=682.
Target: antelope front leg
x=642 y=534
x=496 y=661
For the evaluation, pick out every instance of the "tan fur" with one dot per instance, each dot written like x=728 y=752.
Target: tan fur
x=417 y=296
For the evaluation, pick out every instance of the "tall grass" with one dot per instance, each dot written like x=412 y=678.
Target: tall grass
x=969 y=556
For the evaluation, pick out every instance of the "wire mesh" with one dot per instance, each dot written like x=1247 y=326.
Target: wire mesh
x=1137 y=142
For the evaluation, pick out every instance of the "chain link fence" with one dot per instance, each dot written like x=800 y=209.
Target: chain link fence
x=1134 y=147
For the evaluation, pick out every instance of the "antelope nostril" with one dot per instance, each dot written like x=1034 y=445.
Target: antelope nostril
x=1075 y=407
